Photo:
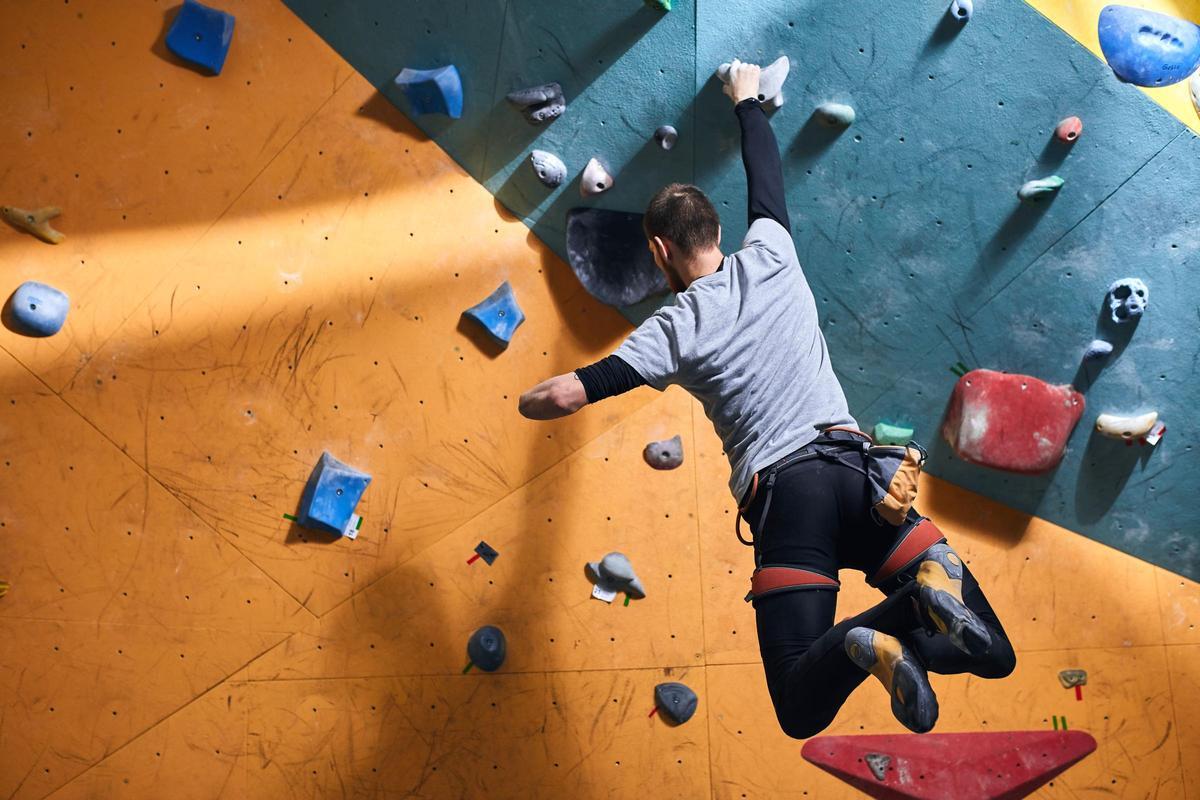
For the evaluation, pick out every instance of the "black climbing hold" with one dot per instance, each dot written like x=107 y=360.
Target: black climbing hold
x=675 y=701
x=607 y=251
x=486 y=648
x=487 y=552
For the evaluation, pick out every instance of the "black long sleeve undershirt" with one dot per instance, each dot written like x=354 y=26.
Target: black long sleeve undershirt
x=607 y=377
x=764 y=189
x=764 y=169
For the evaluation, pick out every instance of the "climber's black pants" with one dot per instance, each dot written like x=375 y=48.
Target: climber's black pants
x=819 y=519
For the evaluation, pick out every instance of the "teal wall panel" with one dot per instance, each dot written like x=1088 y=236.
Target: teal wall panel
x=907 y=224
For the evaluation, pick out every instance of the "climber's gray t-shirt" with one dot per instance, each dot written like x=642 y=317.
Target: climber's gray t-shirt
x=745 y=342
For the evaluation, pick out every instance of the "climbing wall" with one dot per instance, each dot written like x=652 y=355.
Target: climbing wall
x=272 y=263
x=908 y=224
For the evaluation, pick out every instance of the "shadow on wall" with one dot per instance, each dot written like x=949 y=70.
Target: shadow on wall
x=1108 y=465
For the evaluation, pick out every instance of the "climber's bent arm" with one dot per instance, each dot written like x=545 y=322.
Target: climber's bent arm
x=557 y=397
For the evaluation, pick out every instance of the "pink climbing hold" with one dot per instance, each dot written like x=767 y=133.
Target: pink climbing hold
x=1016 y=423
x=1069 y=129
x=1001 y=765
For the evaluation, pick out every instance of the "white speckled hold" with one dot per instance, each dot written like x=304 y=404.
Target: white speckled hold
x=1126 y=428
x=770 y=80
x=549 y=168
x=595 y=180
x=1128 y=299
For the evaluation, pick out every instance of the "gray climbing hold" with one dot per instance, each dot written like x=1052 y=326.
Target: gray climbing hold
x=539 y=103
x=666 y=136
x=770 y=80
x=1040 y=190
x=607 y=252
x=549 y=168
x=666 y=454
x=961 y=10
x=595 y=179
x=1097 y=349
x=487 y=648
x=835 y=115
x=675 y=701
x=614 y=573
x=38 y=309
x=878 y=763
x=1127 y=299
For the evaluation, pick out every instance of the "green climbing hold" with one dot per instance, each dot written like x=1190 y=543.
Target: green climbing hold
x=665 y=5
x=892 y=434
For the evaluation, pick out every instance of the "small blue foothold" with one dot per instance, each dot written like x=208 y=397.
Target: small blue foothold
x=332 y=492
x=433 y=91
x=38 y=309
x=487 y=648
x=499 y=314
x=1146 y=48
x=201 y=35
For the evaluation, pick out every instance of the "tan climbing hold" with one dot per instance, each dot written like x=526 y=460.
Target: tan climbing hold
x=1126 y=427
x=35 y=222
x=3 y=588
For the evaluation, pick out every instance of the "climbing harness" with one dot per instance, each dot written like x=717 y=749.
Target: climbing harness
x=891 y=472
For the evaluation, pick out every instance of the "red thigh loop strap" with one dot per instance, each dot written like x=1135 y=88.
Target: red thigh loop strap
x=778 y=579
x=914 y=542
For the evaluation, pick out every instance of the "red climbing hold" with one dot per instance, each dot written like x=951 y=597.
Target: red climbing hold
x=1011 y=422
x=982 y=766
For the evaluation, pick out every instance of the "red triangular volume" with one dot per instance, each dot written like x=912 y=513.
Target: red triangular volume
x=979 y=766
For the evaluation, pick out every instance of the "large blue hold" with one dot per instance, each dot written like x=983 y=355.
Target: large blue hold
x=499 y=314
x=433 y=91
x=201 y=35
x=1147 y=48
x=38 y=309
x=330 y=496
x=487 y=648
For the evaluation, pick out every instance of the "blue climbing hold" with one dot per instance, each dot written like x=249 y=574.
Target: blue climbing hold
x=433 y=91
x=201 y=35
x=38 y=309
x=332 y=492
x=499 y=314
x=1147 y=48
x=487 y=648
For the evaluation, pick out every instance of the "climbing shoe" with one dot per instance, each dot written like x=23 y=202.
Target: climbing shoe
x=885 y=657
x=939 y=578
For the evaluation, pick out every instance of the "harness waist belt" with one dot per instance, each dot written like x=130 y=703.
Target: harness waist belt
x=766 y=580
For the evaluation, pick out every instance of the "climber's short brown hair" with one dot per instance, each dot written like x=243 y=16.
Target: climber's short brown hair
x=682 y=213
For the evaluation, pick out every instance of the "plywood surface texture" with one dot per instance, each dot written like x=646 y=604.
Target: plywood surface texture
x=273 y=263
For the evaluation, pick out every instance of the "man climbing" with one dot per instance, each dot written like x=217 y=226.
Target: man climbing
x=742 y=336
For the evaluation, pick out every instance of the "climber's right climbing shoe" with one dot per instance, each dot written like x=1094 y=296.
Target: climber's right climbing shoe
x=939 y=578
x=885 y=657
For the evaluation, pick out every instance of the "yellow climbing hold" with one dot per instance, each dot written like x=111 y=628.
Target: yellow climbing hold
x=3 y=588
x=35 y=222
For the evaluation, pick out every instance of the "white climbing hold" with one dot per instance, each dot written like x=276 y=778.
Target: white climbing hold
x=962 y=10
x=1097 y=349
x=835 y=115
x=595 y=179
x=1126 y=428
x=666 y=136
x=1040 y=190
x=1128 y=299
x=549 y=168
x=770 y=80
